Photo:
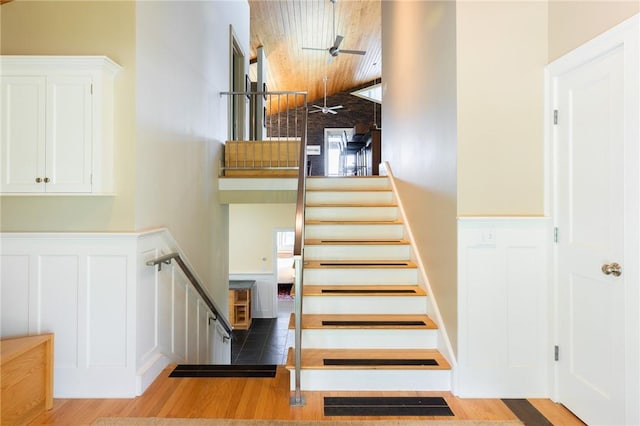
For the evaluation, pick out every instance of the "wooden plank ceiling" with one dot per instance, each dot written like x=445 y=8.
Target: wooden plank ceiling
x=284 y=27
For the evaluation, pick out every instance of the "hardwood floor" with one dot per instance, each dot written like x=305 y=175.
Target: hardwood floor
x=257 y=398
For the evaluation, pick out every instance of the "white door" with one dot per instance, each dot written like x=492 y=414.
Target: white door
x=591 y=184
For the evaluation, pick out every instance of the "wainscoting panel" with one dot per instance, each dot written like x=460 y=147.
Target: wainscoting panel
x=57 y=283
x=116 y=321
x=107 y=298
x=14 y=298
x=503 y=315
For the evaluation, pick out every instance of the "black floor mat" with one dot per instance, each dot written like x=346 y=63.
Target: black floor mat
x=373 y=323
x=367 y=291
x=208 y=370
x=373 y=361
x=386 y=406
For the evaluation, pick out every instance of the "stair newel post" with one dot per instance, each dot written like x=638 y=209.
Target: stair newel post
x=297 y=399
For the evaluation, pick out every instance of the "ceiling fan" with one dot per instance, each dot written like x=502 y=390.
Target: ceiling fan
x=325 y=109
x=335 y=49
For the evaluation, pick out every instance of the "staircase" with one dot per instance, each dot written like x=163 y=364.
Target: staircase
x=365 y=322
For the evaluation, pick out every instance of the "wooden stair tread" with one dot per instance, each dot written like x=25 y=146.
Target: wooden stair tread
x=359 y=264
x=348 y=189
x=315 y=321
x=356 y=241
x=353 y=222
x=367 y=205
x=314 y=358
x=376 y=290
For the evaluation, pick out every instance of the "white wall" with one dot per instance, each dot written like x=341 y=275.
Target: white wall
x=182 y=55
x=419 y=133
x=251 y=235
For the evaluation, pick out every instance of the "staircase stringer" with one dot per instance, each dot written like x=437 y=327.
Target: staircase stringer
x=444 y=343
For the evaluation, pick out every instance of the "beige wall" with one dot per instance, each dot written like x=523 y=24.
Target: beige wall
x=251 y=233
x=572 y=23
x=78 y=28
x=501 y=54
x=419 y=133
x=182 y=60
x=170 y=121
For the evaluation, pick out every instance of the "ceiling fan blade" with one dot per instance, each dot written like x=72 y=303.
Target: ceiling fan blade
x=316 y=106
x=339 y=39
x=315 y=110
x=336 y=107
x=330 y=111
x=314 y=48
x=353 y=52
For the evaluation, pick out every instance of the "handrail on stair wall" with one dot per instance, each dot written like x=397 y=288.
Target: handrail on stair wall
x=166 y=260
x=298 y=258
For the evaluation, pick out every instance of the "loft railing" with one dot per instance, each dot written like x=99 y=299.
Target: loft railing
x=266 y=133
x=166 y=260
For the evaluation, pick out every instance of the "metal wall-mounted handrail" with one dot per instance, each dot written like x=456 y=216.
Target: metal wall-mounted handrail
x=166 y=260
x=298 y=256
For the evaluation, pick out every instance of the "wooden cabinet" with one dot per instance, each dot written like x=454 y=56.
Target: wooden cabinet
x=240 y=304
x=27 y=378
x=56 y=120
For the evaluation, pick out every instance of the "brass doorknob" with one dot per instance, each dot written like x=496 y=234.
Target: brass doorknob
x=38 y=180
x=612 y=269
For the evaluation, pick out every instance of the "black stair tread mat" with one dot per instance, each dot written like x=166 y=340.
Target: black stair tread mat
x=367 y=291
x=225 y=370
x=372 y=323
x=379 y=361
x=386 y=406
x=526 y=412
x=364 y=264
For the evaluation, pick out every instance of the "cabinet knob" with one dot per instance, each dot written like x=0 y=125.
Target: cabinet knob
x=38 y=180
x=46 y=180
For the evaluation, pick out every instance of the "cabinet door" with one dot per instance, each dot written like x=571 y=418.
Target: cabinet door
x=22 y=134
x=69 y=134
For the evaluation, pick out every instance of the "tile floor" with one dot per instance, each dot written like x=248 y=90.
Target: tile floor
x=267 y=341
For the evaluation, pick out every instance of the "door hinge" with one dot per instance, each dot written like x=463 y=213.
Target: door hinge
x=555 y=234
x=91 y=88
x=556 y=353
x=555 y=116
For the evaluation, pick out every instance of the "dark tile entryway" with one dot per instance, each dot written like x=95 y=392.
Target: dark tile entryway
x=267 y=341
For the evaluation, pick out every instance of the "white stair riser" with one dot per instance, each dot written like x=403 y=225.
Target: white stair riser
x=369 y=338
x=349 y=197
x=352 y=305
x=349 y=182
x=373 y=380
x=365 y=276
x=369 y=213
x=357 y=252
x=330 y=231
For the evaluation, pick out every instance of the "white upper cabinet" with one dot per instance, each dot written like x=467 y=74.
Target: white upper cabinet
x=56 y=124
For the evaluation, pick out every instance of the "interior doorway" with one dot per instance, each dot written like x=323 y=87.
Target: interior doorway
x=284 y=239
x=337 y=160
